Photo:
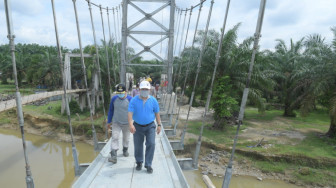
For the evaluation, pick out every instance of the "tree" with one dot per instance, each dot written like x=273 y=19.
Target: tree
x=233 y=65
x=286 y=63
x=5 y=65
x=322 y=74
x=224 y=105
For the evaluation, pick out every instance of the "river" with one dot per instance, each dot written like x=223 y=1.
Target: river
x=52 y=164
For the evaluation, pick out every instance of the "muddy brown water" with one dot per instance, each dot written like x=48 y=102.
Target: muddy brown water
x=52 y=164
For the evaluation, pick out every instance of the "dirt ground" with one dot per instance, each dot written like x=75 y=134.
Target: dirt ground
x=215 y=162
x=33 y=125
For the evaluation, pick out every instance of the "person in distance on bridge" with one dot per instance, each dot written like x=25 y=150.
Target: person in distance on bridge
x=152 y=89
x=118 y=111
x=136 y=90
x=144 y=109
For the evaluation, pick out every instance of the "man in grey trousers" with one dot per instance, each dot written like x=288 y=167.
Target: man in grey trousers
x=118 y=111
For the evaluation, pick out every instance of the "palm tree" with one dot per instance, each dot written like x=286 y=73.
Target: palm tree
x=286 y=63
x=322 y=71
x=233 y=69
x=5 y=67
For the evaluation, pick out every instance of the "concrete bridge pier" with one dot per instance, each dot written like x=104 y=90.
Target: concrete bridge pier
x=63 y=102
x=82 y=101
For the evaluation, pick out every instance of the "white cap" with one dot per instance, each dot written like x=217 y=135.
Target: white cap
x=145 y=85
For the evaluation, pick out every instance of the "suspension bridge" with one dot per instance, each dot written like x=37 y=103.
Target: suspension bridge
x=168 y=171
x=8 y=104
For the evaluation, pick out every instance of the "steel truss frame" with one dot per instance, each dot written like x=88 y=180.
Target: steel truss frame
x=167 y=33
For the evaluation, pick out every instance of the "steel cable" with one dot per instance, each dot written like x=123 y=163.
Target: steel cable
x=60 y=58
x=95 y=140
x=197 y=73
x=112 y=46
x=98 y=64
x=10 y=36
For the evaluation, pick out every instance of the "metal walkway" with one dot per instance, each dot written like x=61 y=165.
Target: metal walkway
x=6 y=105
x=166 y=170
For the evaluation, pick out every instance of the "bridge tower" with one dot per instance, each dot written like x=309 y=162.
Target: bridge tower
x=130 y=32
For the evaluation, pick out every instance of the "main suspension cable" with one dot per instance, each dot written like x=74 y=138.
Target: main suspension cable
x=194 y=6
x=98 y=6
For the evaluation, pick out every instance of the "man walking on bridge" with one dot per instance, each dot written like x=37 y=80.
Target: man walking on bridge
x=118 y=111
x=144 y=109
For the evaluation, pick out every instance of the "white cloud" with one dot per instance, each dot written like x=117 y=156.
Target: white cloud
x=285 y=19
x=29 y=8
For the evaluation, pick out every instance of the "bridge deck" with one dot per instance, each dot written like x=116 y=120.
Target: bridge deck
x=166 y=171
x=6 y=105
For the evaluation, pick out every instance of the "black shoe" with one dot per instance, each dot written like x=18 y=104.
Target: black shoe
x=149 y=169
x=125 y=152
x=139 y=166
x=113 y=157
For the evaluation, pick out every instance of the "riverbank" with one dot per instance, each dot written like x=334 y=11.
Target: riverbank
x=292 y=150
x=270 y=146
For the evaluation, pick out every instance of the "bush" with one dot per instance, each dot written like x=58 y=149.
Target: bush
x=74 y=107
x=223 y=104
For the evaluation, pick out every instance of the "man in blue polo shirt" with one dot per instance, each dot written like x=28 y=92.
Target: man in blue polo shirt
x=144 y=109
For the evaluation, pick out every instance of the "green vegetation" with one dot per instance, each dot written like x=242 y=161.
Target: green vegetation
x=74 y=107
x=291 y=144
x=224 y=105
x=296 y=77
x=277 y=167
x=81 y=123
x=10 y=89
x=222 y=137
x=252 y=113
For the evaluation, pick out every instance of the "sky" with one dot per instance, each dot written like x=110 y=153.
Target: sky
x=283 y=19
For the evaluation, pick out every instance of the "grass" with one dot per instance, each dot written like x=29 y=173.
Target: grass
x=322 y=177
x=277 y=167
x=312 y=146
x=252 y=113
x=54 y=109
x=311 y=152
x=6 y=117
x=312 y=126
x=10 y=89
x=223 y=136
